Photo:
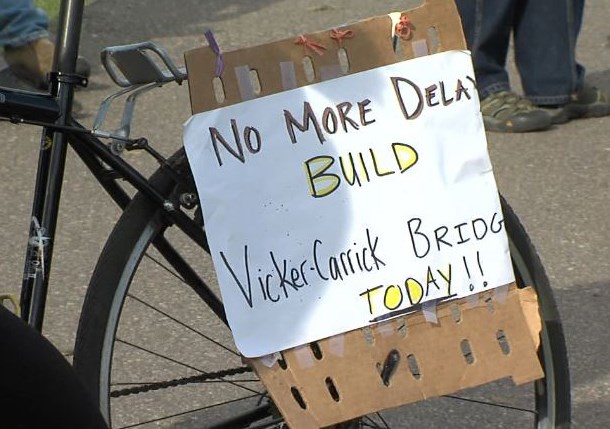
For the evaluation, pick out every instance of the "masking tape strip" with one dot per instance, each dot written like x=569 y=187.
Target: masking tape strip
x=501 y=292
x=244 y=83
x=473 y=300
x=304 y=357
x=428 y=308
x=330 y=72
x=289 y=77
x=270 y=360
x=336 y=345
x=385 y=329
x=420 y=48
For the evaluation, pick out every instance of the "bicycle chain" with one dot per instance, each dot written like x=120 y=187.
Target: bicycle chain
x=180 y=381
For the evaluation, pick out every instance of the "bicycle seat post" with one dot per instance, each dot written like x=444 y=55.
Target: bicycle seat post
x=51 y=165
x=66 y=51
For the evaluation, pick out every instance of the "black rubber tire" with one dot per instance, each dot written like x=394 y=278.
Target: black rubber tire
x=142 y=220
x=553 y=397
x=95 y=324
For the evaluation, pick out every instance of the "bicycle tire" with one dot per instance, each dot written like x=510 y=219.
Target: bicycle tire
x=121 y=261
x=555 y=406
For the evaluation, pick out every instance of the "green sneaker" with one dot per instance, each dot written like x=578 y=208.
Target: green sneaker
x=507 y=112
x=589 y=102
x=559 y=114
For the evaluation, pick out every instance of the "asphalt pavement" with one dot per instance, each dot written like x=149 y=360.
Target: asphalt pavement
x=558 y=181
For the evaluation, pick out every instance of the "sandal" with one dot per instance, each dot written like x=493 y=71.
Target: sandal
x=589 y=102
x=507 y=112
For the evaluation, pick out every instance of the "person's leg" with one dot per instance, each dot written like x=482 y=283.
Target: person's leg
x=25 y=37
x=577 y=10
x=545 y=43
x=28 y=49
x=38 y=387
x=487 y=26
x=549 y=71
x=21 y=23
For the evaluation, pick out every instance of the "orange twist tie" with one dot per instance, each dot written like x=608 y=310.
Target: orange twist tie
x=404 y=27
x=314 y=46
x=340 y=35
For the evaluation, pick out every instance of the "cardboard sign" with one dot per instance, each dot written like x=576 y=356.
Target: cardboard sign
x=336 y=205
x=349 y=362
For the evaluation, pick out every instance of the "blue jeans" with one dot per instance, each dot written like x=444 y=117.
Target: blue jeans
x=21 y=22
x=544 y=35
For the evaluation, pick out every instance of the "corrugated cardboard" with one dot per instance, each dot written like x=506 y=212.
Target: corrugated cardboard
x=342 y=379
x=353 y=362
x=370 y=47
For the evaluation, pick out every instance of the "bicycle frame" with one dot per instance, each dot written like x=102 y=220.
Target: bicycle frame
x=52 y=111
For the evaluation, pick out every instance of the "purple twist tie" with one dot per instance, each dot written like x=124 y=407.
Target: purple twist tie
x=220 y=65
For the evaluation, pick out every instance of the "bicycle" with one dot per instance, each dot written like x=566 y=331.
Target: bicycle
x=164 y=221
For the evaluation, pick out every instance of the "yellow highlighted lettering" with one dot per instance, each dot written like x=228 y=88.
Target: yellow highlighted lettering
x=321 y=184
x=415 y=291
x=369 y=293
x=405 y=155
x=393 y=297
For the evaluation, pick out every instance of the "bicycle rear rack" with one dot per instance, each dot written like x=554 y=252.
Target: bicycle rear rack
x=140 y=63
x=137 y=68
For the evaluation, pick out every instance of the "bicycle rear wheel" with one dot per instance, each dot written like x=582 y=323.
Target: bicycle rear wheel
x=155 y=355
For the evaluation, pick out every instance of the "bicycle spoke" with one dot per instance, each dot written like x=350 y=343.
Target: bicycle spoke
x=184 y=325
x=491 y=404
x=277 y=423
x=169 y=359
x=160 y=419
x=372 y=424
x=188 y=275
x=165 y=267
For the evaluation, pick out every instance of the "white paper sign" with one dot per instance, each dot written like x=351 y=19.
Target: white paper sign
x=343 y=203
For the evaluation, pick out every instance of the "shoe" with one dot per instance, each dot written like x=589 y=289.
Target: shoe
x=558 y=114
x=589 y=102
x=507 y=112
x=34 y=61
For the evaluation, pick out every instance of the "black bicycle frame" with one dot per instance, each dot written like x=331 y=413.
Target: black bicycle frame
x=53 y=112
x=52 y=158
